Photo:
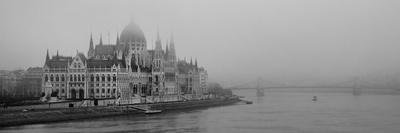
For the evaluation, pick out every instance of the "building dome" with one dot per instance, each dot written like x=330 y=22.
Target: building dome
x=132 y=32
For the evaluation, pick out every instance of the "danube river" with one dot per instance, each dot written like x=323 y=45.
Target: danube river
x=279 y=111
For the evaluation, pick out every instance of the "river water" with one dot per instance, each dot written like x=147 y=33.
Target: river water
x=279 y=111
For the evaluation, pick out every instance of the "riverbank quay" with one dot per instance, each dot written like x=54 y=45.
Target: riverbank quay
x=35 y=116
x=15 y=118
x=167 y=106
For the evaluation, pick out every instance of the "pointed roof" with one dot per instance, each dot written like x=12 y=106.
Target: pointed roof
x=166 y=49
x=101 y=40
x=158 y=42
x=117 y=43
x=172 y=43
x=57 y=61
x=47 y=56
x=171 y=51
x=91 y=42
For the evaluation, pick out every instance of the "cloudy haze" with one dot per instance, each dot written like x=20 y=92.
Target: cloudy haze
x=234 y=40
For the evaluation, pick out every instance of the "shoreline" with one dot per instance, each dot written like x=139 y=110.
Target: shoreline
x=67 y=114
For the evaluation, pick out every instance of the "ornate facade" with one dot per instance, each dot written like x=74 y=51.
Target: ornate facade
x=124 y=70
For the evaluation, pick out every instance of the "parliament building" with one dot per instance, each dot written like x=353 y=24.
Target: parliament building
x=125 y=70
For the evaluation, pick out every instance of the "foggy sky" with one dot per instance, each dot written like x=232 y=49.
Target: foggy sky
x=233 y=40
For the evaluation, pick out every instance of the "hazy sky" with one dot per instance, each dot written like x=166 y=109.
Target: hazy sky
x=234 y=40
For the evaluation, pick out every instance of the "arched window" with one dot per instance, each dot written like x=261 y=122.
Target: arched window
x=108 y=78
x=75 y=78
x=103 y=78
x=70 y=77
x=79 y=77
x=57 y=78
x=83 y=77
x=91 y=78
x=46 y=78
x=135 y=89
x=51 y=78
x=97 y=78
x=62 y=77
x=114 y=78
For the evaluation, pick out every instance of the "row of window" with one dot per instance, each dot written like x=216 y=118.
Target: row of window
x=57 y=78
x=72 y=85
x=103 y=78
x=102 y=96
x=92 y=85
x=80 y=77
x=103 y=90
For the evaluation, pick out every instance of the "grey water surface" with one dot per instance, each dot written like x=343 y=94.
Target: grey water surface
x=279 y=111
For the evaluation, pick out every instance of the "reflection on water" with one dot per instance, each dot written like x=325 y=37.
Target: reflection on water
x=278 y=111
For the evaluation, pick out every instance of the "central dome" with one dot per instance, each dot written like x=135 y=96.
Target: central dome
x=132 y=32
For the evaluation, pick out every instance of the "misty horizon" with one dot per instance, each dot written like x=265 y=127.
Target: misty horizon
x=233 y=40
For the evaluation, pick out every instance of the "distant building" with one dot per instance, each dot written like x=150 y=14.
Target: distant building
x=31 y=84
x=203 y=80
x=125 y=70
x=9 y=82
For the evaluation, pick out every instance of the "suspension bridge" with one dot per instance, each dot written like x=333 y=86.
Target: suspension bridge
x=354 y=84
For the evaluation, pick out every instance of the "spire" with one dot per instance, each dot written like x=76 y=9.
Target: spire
x=172 y=49
x=57 y=52
x=191 y=61
x=166 y=49
x=47 y=56
x=195 y=62
x=101 y=40
x=172 y=44
x=117 y=43
x=158 y=41
x=91 y=48
x=91 y=42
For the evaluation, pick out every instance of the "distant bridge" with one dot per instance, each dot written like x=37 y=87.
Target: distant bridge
x=286 y=87
x=354 y=84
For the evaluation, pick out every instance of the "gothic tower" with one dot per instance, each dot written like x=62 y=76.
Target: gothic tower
x=171 y=50
x=91 y=48
x=158 y=55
